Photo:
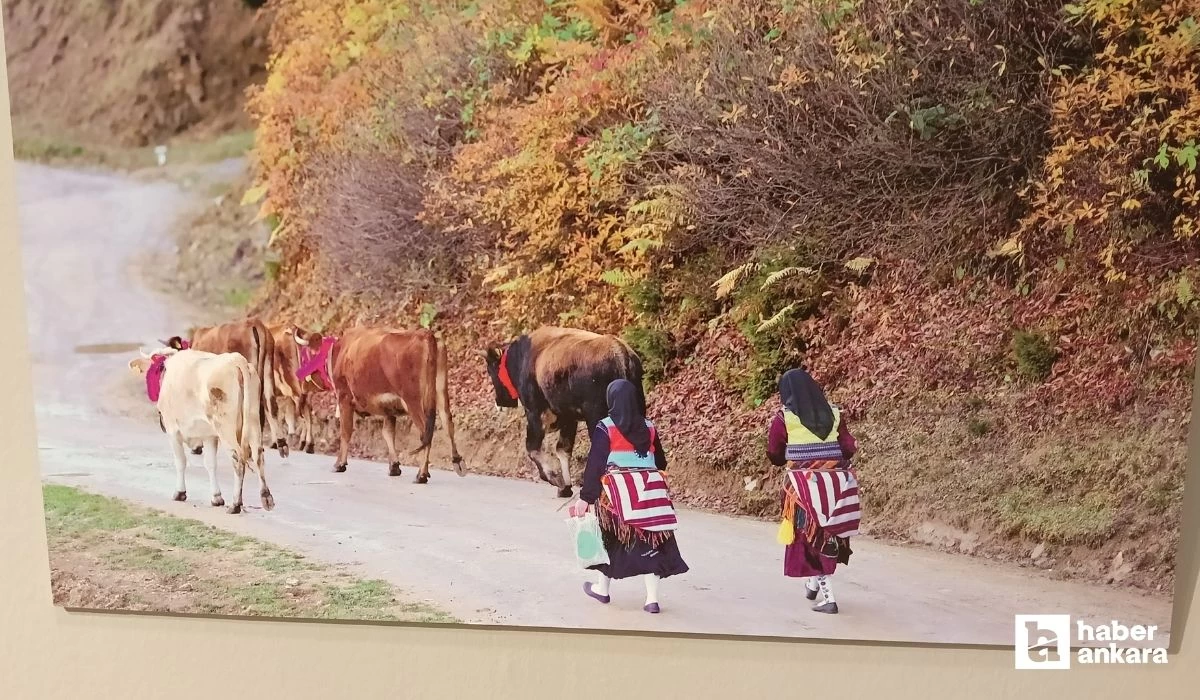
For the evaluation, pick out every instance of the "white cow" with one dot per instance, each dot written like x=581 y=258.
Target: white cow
x=208 y=399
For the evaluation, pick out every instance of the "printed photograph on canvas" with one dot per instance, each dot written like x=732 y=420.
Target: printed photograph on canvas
x=834 y=319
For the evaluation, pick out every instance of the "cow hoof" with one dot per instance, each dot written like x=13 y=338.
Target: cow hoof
x=459 y=467
x=199 y=449
x=180 y=496
x=234 y=509
x=421 y=479
x=564 y=492
x=310 y=448
x=217 y=501
x=394 y=469
x=268 y=501
x=339 y=468
x=284 y=450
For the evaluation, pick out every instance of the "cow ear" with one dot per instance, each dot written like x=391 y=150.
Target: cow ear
x=492 y=355
x=139 y=365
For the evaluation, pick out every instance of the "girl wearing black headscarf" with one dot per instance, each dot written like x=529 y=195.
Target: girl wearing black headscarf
x=809 y=433
x=626 y=446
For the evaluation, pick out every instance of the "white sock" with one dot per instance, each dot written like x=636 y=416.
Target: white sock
x=826 y=591
x=651 y=588
x=602 y=582
x=811 y=583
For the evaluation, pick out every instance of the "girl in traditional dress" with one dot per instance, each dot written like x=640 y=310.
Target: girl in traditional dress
x=810 y=436
x=627 y=456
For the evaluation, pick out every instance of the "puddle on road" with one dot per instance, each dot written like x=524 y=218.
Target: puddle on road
x=106 y=348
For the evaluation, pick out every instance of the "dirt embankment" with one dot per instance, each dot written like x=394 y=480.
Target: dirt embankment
x=131 y=72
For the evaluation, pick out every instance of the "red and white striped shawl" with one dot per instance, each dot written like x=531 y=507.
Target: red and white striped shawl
x=829 y=497
x=639 y=499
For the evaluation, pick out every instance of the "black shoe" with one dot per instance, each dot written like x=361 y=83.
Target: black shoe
x=810 y=593
x=830 y=608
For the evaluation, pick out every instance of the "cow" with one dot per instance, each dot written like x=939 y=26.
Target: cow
x=213 y=399
x=560 y=376
x=386 y=373
x=292 y=393
x=250 y=339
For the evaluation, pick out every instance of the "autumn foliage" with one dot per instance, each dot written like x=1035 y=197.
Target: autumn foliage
x=921 y=201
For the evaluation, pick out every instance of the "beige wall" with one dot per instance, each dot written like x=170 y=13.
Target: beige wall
x=48 y=653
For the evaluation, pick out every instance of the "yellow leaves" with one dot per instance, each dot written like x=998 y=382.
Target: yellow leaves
x=786 y=273
x=730 y=280
x=1009 y=248
x=860 y=264
x=733 y=114
x=791 y=78
x=1131 y=204
x=254 y=194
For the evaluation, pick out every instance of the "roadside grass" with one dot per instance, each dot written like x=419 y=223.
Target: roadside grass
x=59 y=149
x=106 y=553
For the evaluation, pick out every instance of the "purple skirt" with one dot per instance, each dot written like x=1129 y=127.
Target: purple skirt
x=802 y=558
x=640 y=557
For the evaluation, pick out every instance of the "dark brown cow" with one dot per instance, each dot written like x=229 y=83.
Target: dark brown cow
x=293 y=394
x=387 y=373
x=250 y=339
x=560 y=376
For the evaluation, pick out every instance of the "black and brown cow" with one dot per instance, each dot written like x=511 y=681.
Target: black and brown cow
x=251 y=339
x=560 y=376
x=386 y=373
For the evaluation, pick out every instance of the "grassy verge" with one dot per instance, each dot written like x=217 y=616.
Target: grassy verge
x=56 y=149
x=106 y=553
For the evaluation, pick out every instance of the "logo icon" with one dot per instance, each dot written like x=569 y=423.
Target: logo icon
x=1042 y=641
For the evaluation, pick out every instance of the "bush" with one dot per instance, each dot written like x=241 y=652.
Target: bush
x=654 y=348
x=1035 y=354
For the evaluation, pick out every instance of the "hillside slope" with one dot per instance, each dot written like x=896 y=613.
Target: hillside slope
x=974 y=221
x=131 y=72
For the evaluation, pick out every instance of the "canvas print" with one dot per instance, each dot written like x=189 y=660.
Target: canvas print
x=837 y=319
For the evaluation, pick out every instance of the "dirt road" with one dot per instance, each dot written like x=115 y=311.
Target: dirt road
x=486 y=550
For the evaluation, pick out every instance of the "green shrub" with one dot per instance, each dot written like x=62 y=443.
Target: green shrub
x=653 y=346
x=1035 y=354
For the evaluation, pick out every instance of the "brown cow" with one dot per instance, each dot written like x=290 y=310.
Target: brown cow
x=292 y=393
x=560 y=376
x=250 y=339
x=388 y=373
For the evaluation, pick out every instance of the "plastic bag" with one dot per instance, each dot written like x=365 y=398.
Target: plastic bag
x=589 y=546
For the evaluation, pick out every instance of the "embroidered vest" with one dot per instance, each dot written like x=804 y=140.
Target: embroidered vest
x=804 y=446
x=621 y=453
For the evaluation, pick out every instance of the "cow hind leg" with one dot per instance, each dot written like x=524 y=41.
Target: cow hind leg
x=239 y=478
x=210 y=465
x=425 y=419
x=346 y=431
x=264 y=491
x=178 y=447
x=535 y=435
x=563 y=449
x=306 y=424
x=389 y=438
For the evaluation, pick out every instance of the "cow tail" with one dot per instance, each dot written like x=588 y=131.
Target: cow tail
x=432 y=388
x=264 y=364
x=243 y=413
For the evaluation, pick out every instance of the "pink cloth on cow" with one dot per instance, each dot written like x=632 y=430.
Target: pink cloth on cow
x=154 y=376
x=316 y=362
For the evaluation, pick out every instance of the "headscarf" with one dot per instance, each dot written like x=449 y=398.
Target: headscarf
x=624 y=410
x=803 y=397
